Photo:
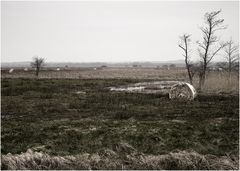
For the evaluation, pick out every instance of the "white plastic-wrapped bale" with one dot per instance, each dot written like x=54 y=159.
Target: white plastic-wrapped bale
x=182 y=90
x=11 y=70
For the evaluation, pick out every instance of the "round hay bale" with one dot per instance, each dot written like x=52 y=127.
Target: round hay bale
x=182 y=90
x=11 y=70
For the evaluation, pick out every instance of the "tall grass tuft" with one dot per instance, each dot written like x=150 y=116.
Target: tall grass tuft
x=219 y=82
x=183 y=160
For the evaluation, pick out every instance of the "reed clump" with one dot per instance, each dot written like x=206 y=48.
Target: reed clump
x=179 y=160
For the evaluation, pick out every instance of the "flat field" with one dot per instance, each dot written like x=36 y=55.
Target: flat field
x=79 y=123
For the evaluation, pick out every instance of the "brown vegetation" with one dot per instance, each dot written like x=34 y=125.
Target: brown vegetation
x=81 y=124
x=108 y=159
x=216 y=81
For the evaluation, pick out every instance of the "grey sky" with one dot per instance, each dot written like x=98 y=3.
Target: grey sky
x=106 y=31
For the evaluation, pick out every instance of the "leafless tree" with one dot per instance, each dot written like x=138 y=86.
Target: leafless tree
x=37 y=63
x=231 y=56
x=207 y=47
x=184 y=45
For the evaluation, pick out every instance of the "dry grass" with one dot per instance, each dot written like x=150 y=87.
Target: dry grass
x=49 y=113
x=216 y=81
x=21 y=98
x=108 y=159
x=134 y=73
x=219 y=82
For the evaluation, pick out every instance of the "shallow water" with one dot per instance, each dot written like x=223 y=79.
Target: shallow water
x=162 y=87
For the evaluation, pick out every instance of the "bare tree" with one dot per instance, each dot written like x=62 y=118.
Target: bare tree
x=184 y=45
x=207 y=48
x=231 y=56
x=37 y=63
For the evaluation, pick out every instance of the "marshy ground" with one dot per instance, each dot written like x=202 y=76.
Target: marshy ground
x=74 y=117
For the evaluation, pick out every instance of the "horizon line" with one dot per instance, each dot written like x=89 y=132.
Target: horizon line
x=96 y=61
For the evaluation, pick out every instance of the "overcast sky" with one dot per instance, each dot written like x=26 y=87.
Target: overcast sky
x=106 y=31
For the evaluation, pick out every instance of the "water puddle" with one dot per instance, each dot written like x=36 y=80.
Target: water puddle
x=162 y=87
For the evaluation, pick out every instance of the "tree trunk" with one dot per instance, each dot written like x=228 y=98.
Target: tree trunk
x=37 y=71
x=229 y=78
x=202 y=77
x=190 y=76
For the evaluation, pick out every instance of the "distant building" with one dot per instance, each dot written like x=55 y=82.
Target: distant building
x=58 y=69
x=25 y=69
